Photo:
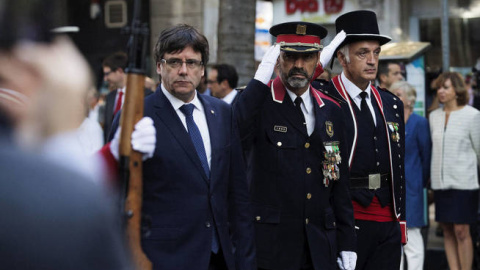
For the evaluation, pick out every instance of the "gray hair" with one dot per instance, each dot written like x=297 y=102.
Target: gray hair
x=408 y=89
x=344 y=50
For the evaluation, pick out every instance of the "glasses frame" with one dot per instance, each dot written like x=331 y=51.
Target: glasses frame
x=189 y=63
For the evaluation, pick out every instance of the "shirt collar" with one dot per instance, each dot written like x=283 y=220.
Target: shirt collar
x=352 y=89
x=306 y=98
x=177 y=103
x=122 y=89
x=229 y=98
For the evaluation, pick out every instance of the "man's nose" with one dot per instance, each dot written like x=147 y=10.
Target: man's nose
x=183 y=68
x=299 y=62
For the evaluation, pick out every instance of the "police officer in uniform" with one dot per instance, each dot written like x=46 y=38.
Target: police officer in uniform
x=297 y=158
x=375 y=137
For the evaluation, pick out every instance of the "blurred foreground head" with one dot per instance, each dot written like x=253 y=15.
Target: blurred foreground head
x=43 y=78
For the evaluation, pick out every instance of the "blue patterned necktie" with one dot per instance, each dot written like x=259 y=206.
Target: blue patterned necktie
x=196 y=137
x=197 y=141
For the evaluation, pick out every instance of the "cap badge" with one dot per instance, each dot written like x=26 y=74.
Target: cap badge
x=301 y=29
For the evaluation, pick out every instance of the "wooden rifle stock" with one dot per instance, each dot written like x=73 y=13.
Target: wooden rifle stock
x=131 y=161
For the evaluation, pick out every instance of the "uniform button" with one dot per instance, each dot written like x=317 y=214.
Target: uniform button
x=378 y=163
x=308 y=170
x=375 y=138
x=399 y=156
x=376 y=150
x=257 y=218
x=306 y=221
x=334 y=224
x=394 y=98
x=207 y=224
x=401 y=176
x=279 y=144
x=397 y=115
x=307 y=145
x=309 y=196
x=395 y=106
x=400 y=166
x=399 y=145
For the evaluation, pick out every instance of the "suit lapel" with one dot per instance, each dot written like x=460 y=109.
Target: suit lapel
x=351 y=118
x=166 y=113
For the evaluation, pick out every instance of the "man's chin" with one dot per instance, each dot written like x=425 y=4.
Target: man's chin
x=297 y=83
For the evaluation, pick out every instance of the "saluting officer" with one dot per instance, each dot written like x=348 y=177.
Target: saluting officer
x=297 y=158
x=375 y=135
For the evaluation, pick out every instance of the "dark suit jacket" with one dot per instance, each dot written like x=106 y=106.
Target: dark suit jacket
x=292 y=205
x=54 y=218
x=183 y=204
x=392 y=110
x=108 y=113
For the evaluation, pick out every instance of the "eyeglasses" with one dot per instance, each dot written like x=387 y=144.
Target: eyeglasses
x=176 y=63
x=105 y=74
x=211 y=81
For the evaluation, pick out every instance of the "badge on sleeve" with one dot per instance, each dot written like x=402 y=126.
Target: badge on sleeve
x=331 y=171
x=394 y=129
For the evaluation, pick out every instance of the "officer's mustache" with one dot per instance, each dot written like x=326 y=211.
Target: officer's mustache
x=297 y=71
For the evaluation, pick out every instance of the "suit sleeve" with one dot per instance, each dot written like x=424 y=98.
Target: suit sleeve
x=240 y=216
x=247 y=110
x=425 y=148
x=342 y=201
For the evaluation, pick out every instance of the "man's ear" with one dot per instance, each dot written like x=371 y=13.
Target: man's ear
x=224 y=84
x=159 y=68
x=382 y=77
x=341 y=58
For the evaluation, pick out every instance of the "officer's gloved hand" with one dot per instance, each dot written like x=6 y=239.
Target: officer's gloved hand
x=347 y=260
x=328 y=51
x=143 y=139
x=265 y=69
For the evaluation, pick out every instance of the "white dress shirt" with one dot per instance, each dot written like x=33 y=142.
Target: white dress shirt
x=116 y=97
x=230 y=97
x=198 y=116
x=307 y=109
x=354 y=93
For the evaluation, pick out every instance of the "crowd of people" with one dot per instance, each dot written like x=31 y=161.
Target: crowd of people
x=300 y=169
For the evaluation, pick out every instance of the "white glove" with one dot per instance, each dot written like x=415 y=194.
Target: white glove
x=95 y=10
x=327 y=52
x=347 y=260
x=143 y=139
x=265 y=69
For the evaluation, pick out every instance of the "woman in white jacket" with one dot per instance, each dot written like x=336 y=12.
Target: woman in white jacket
x=455 y=131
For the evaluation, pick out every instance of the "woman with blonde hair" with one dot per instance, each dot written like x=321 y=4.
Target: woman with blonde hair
x=418 y=146
x=455 y=131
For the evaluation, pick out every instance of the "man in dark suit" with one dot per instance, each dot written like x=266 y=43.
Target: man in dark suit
x=114 y=67
x=53 y=217
x=195 y=190
x=375 y=137
x=297 y=154
x=222 y=81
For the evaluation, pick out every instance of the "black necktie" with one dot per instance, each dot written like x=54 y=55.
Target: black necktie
x=365 y=111
x=298 y=102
